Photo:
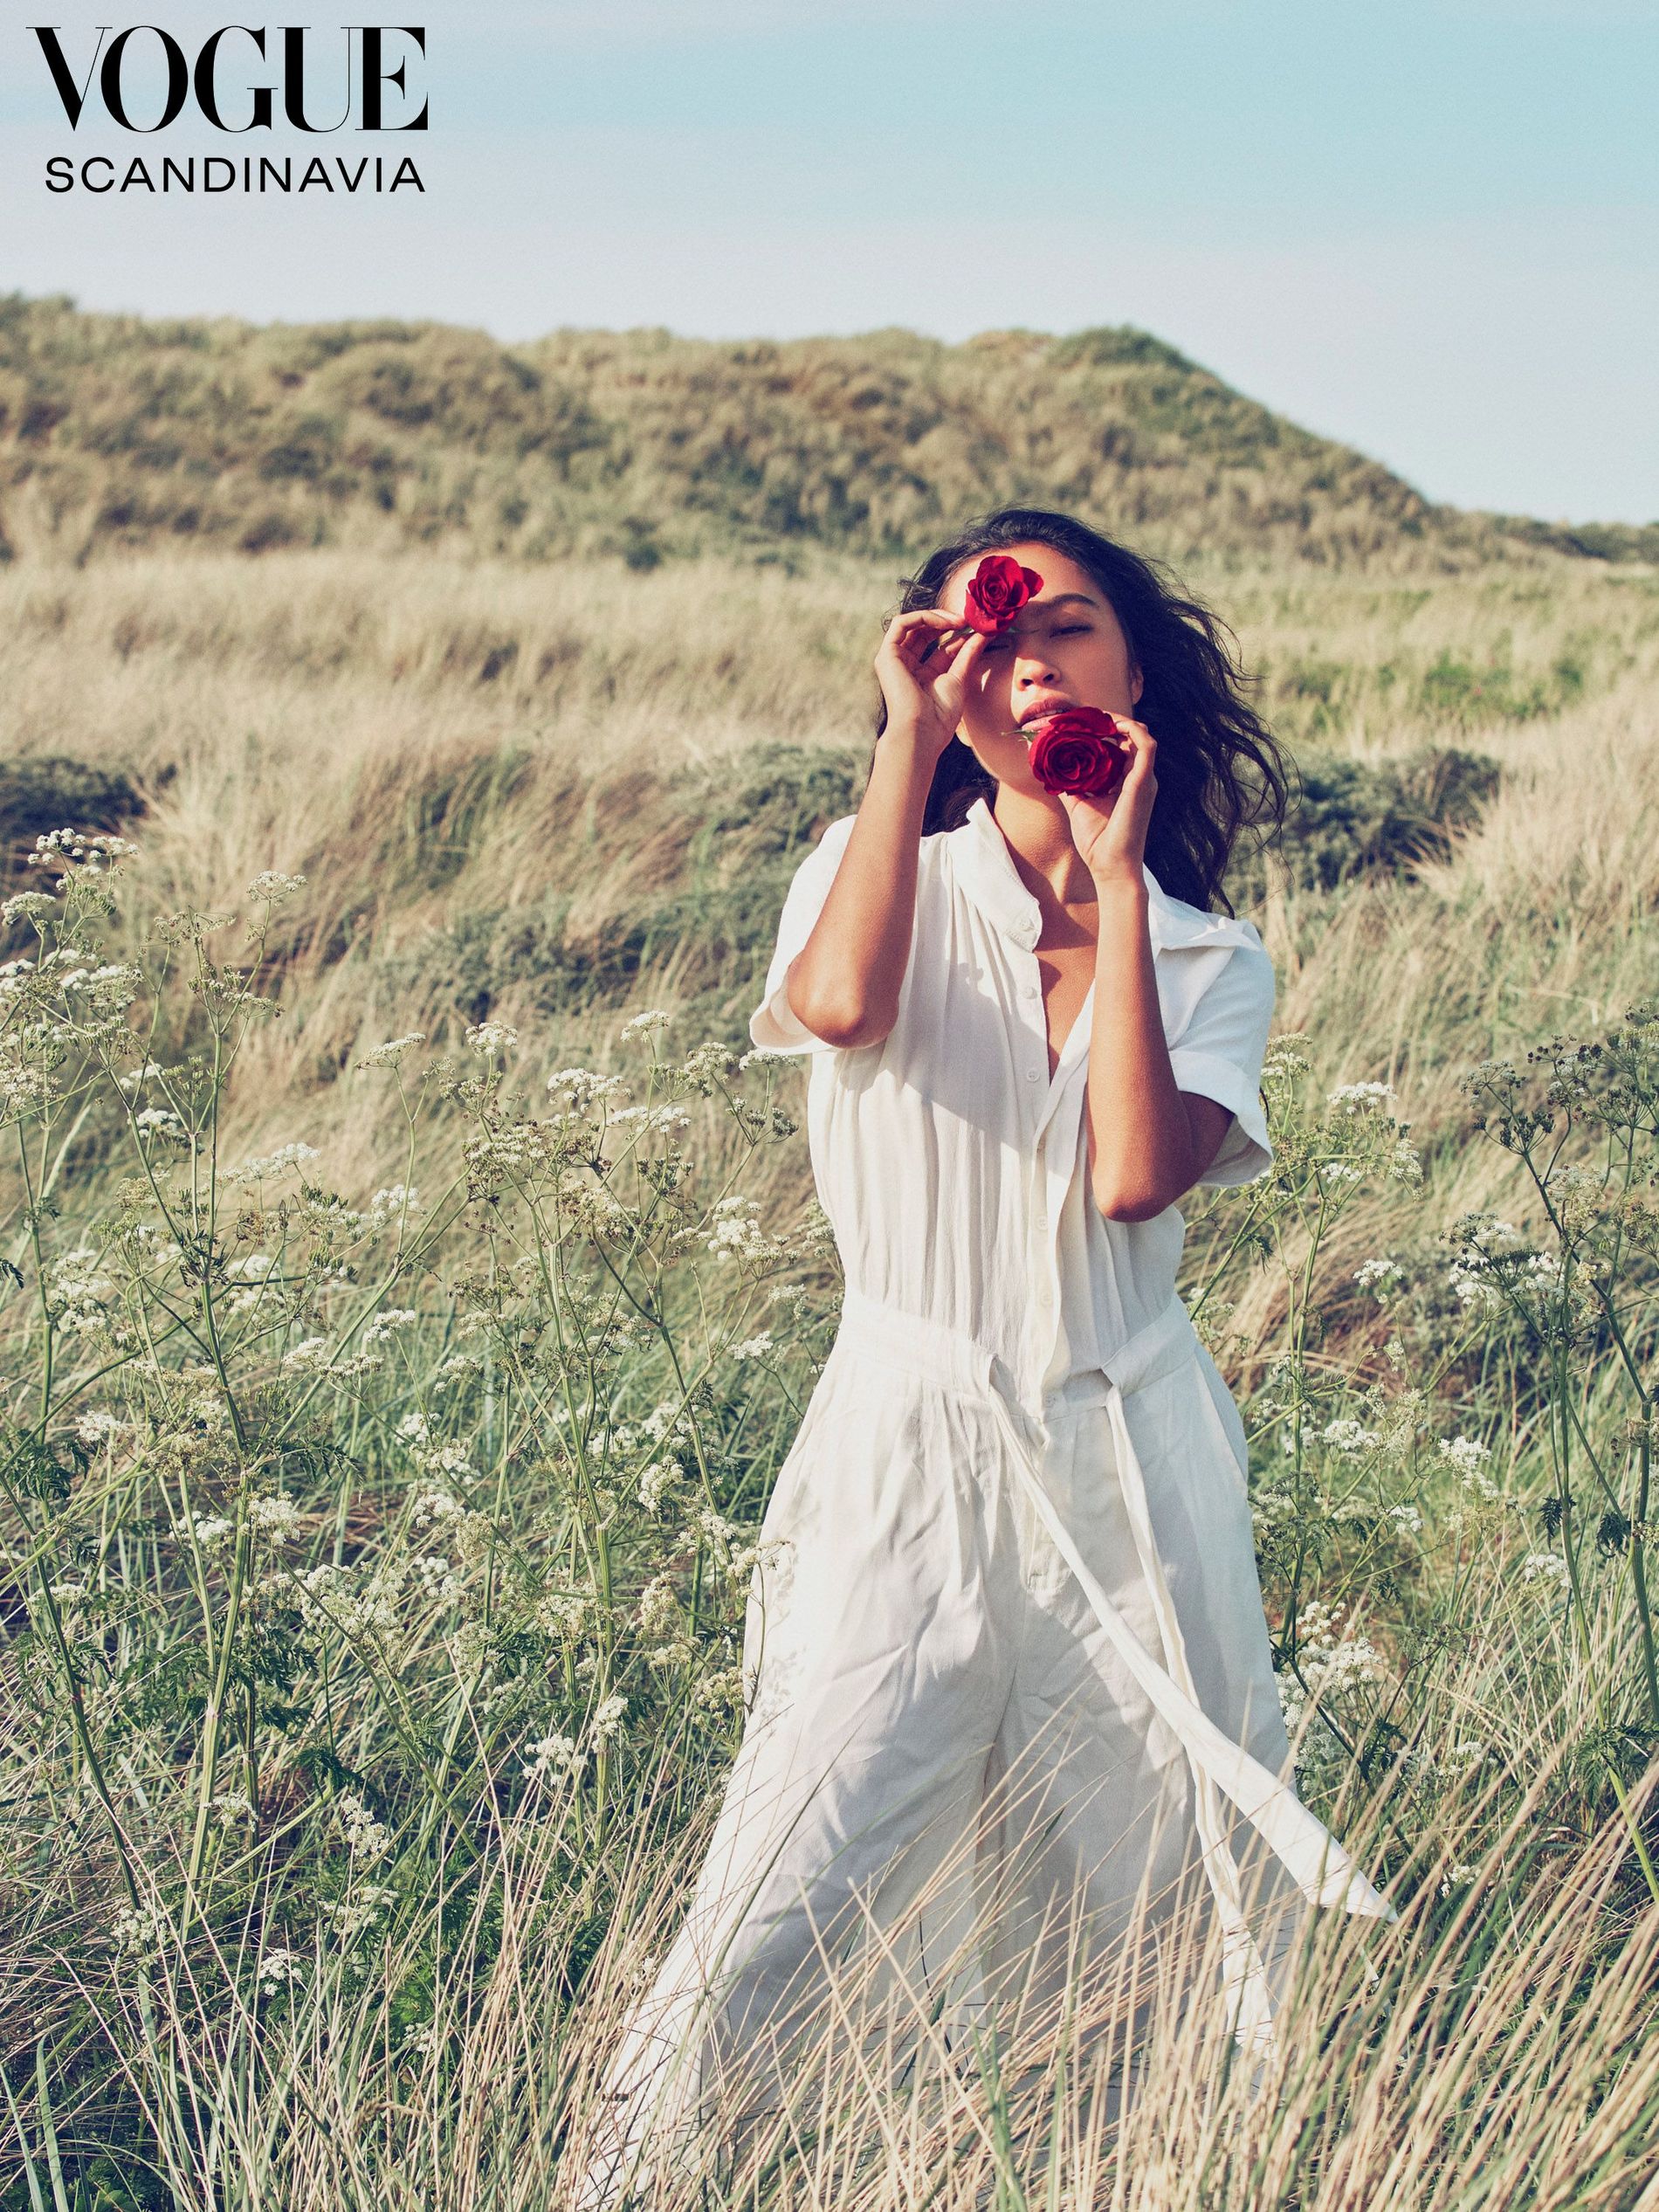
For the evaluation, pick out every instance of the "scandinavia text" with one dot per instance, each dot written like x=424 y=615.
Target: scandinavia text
x=222 y=173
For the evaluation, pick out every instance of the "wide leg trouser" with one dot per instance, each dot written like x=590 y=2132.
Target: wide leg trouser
x=1014 y=1690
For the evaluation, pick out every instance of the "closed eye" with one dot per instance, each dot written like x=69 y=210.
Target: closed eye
x=1066 y=630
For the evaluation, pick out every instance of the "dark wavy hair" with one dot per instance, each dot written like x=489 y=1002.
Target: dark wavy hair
x=1220 y=769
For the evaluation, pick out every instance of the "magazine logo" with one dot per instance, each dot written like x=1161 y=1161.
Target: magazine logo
x=108 y=65
x=243 y=77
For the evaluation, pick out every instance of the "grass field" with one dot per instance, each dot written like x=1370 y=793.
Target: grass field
x=379 y=1518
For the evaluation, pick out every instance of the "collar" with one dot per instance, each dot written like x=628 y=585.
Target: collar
x=985 y=868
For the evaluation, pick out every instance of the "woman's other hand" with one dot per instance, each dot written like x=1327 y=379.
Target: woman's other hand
x=923 y=666
x=1111 y=834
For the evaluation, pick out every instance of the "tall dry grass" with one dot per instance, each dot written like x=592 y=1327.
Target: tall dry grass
x=593 y=756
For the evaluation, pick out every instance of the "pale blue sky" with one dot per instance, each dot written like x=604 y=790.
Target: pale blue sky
x=1431 y=229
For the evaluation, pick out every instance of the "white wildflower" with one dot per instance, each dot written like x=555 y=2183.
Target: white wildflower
x=608 y=1717
x=389 y=1205
x=280 y=1968
x=67 y=850
x=637 y=1024
x=437 y=1576
x=233 y=1809
x=308 y=1356
x=388 y=1055
x=384 y=1326
x=667 y=1118
x=273 y=1164
x=349 y=1916
x=737 y=1233
x=1350 y=1435
x=1379 y=1275
x=278 y=1516
x=553 y=1755
x=137 y=1930
x=1546 y=1567
x=365 y=1838
x=656 y=1479
x=433 y=1506
x=754 y=1347
x=160 y=1121
x=581 y=1088
x=97 y=1429
x=209 y=1529
x=1466 y=1454
x=29 y=905
x=491 y=1037
x=1361 y=1098
x=274 y=888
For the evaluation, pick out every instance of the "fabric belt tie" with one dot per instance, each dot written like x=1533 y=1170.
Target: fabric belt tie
x=1324 y=1872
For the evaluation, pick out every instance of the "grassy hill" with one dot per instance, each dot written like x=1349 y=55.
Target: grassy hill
x=117 y=432
x=390 y=1408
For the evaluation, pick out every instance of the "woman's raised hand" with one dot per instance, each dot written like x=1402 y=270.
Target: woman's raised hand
x=924 y=666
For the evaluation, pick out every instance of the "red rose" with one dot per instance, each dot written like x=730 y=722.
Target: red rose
x=1000 y=589
x=1078 y=750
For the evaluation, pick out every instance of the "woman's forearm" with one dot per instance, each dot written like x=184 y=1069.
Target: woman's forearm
x=845 y=980
x=1142 y=1150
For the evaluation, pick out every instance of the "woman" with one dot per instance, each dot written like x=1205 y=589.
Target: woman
x=1012 y=1674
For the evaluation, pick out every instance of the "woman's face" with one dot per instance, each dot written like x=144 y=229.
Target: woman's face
x=1064 y=648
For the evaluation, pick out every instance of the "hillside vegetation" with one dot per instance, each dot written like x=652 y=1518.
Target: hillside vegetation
x=410 y=1284
x=117 y=432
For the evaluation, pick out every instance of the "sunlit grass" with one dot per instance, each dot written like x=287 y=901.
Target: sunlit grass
x=339 y=1510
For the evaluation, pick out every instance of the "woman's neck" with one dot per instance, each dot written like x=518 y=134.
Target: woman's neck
x=1038 y=835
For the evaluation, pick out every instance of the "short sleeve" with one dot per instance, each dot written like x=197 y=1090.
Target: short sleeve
x=774 y=1023
x=1219 y=1055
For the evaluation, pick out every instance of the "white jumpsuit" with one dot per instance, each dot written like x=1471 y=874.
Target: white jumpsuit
x=1012 y=1623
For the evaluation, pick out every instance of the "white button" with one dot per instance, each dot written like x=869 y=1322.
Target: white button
x=1031 y=991
x=1044 y=1298
x=1032 y=1075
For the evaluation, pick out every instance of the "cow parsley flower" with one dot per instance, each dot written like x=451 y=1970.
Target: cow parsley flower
x=365 y=1838
x=1361 y=1098
x=280 y=1969
x=608 y=1717
x=388 y=1055
x=1350 y=1435
x=553 y=1755
x=1546 y=1567
x=278 y=1517
x=274 y=888
x=273 y=1164
x=491 y=1037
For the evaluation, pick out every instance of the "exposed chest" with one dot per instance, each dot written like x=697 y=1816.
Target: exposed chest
x=1067 y=972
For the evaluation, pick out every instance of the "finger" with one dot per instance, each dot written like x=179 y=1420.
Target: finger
x=957 y=654
x=924 y=618
x=923 y=626
x=952 y=646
